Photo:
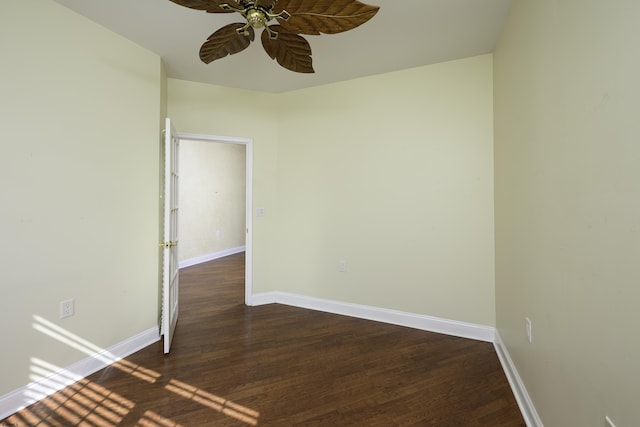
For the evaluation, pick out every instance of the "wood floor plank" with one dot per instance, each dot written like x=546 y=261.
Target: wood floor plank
x=274 y=365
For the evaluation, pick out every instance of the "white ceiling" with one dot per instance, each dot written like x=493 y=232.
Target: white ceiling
x=404 y=34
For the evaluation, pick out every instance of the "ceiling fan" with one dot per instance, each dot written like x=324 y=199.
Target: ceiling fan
x=282 y=40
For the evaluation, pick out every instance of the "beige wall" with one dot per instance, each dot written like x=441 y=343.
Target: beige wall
x=214 y=110
x=212 y=198
x=394 y=175
x=79 y=208
x=567 y=157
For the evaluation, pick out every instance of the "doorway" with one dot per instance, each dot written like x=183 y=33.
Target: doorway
x=228 y=230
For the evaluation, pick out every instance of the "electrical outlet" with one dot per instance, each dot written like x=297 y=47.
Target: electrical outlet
x=260 y=212
x=528 y=329
x=608 y=422
x=66 y=308
x=342 y=266
x=218 y=234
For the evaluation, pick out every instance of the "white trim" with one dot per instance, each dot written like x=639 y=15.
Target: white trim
x=214 y=138
x=525 y=403
x=210 y=257
x=412 y=320
x=263 y=298
x=248 y=142
x=21 y=398
x=248 y=260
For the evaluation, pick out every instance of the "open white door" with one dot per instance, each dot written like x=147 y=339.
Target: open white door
x=170 y=277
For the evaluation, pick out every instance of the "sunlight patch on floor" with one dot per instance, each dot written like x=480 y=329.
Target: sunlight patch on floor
x=137 y=371
x=67 y=397
x=151 y=419
x=227 y=407
x=81 y=403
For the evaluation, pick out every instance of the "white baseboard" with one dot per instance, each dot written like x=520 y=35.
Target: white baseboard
x=37 y=390
x=527 y=408
x=210 y=257
x=417 y=321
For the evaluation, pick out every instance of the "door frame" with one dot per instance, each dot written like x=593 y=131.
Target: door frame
x=248 y=143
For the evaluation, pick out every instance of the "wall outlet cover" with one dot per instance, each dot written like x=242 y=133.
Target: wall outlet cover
x=66 y=308
x=342 y=266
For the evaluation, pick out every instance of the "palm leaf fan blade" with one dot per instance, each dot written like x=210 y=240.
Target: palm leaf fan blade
x=324 y=16
x=290 y=50
x=226 y=41
x=267 y=4
x=211 y=6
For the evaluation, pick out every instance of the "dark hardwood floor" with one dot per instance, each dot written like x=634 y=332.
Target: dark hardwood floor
x=275 y=365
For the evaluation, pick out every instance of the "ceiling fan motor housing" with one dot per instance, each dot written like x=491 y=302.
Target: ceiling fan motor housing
x=256 y=18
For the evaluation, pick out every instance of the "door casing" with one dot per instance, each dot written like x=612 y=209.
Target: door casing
x=248 y=143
